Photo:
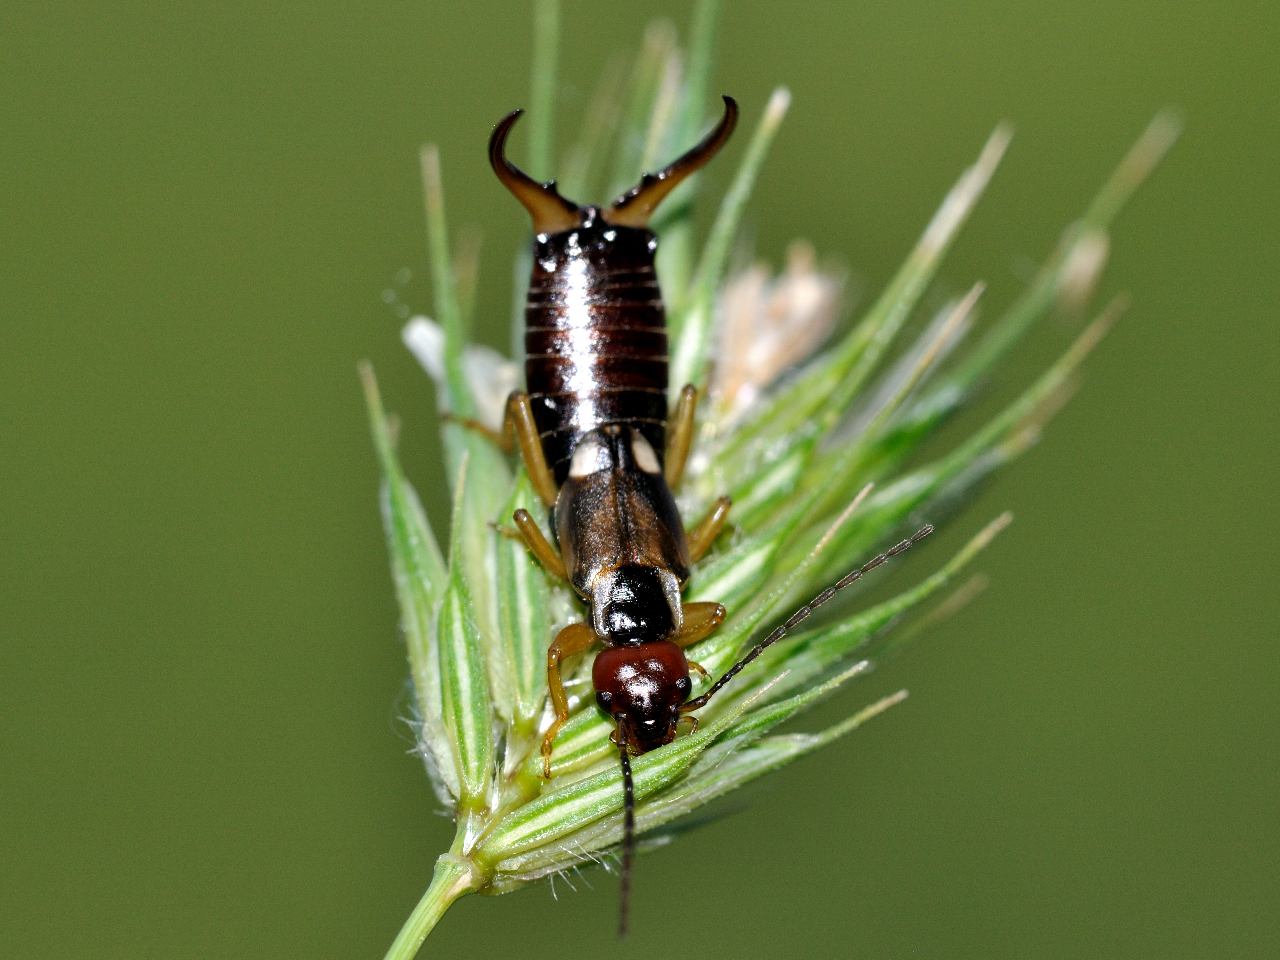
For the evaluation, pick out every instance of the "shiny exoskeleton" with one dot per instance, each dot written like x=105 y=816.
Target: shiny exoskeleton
x=604 y=454
x=600 y=447
x=596 y=336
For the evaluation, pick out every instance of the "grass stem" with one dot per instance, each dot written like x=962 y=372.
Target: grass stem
x=453 y=878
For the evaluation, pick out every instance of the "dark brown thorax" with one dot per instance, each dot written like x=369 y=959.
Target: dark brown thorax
x=620 y=532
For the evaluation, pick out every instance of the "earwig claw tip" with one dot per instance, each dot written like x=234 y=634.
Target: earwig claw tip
x=551 y=212
x=633 y=208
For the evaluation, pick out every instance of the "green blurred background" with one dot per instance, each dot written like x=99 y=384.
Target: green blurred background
x=202 y=685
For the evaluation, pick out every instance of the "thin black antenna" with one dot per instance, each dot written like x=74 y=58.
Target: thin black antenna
x=804 y=613
x=628 y=836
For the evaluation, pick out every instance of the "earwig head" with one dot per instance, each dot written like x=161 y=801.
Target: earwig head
x=642 y=688
x=635 y=604
x=636 y=206
x=551 y=212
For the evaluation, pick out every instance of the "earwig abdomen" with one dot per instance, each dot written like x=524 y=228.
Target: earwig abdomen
x=595 y=339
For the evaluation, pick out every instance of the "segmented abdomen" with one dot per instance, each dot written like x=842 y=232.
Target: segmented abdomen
x=595 y=339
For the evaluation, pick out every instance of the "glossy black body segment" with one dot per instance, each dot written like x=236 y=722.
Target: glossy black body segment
x=595 y=336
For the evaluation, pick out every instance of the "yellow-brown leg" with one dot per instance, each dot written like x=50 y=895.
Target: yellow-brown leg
x=701 y=670
x=704 y=534
x=542 y=551
x=680 y=435
x=518 y=427
x=519 y=421
x=573 y=639
x=700 y=619
x=499 y=438
x=691 y=720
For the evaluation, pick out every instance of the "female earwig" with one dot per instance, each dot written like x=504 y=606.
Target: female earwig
x=602 y=454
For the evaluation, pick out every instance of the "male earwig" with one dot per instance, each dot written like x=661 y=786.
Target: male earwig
x=604 y=457
x=594 y=434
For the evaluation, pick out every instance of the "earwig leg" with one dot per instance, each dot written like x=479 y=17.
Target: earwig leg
x=680 y=435
x=511 y=533
x=700 y=619
x=519 y=421
x=701 y=670
x=691 y=720
x=573 y=639
x=518 y=427
x=704 y=534
x=499 y=438
x=542 y=551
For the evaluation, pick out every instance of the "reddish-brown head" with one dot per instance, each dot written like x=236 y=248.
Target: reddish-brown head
x=642 y=688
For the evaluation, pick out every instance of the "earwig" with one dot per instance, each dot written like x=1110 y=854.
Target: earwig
x=604 y=456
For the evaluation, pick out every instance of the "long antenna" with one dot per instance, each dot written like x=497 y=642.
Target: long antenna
x=804 y=613
x=628 y=836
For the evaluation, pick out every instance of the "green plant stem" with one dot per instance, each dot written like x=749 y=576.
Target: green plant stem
x=454 y=877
